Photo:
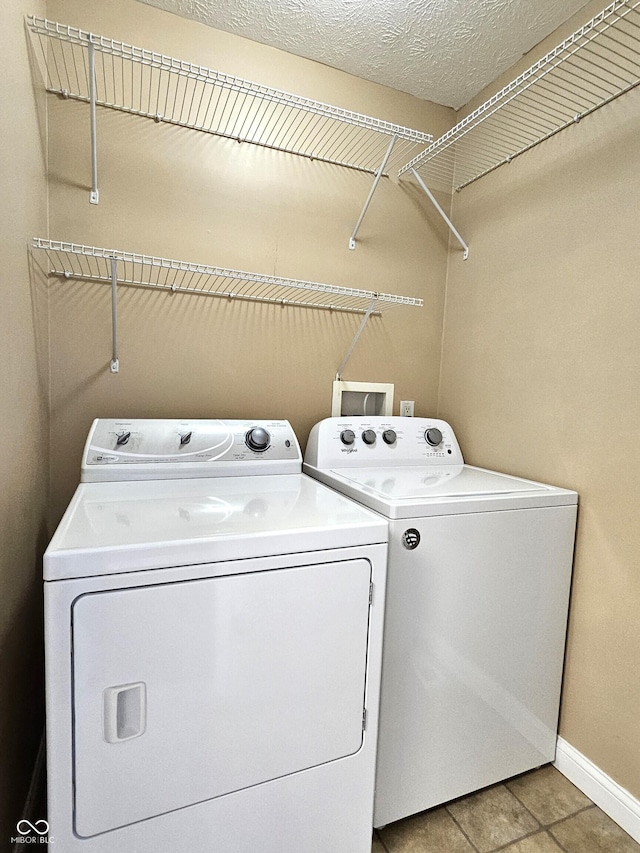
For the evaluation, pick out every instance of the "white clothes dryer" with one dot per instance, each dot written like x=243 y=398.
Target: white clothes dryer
x=477 y=599
x=213 y=624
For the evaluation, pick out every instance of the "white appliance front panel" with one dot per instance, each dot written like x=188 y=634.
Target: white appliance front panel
x=475 y=627
x=328 y=807
x=188 y=691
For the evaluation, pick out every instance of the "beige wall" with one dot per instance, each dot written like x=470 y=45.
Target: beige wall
x=180 y=194
x=23 y=458
x=540 y=377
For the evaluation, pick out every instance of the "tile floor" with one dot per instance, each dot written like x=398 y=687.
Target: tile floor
x=538 y=812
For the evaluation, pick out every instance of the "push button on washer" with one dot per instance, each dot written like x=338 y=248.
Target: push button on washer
x=411 y=539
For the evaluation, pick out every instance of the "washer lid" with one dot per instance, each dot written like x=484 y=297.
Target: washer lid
x=131 y=526
x=439 y=490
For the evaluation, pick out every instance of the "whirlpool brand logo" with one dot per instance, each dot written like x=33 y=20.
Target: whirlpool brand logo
x=32 y=833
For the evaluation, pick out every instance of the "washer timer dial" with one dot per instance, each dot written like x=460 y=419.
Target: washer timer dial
x=433 y=436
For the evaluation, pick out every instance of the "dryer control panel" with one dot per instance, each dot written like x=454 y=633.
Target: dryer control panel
x=358 y=442
x=180 y=449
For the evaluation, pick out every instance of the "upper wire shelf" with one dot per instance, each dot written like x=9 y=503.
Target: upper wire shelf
x=90 y=263
x=144 y=83
x=598 y=63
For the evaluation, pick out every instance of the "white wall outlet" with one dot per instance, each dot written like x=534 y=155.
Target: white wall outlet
x=406 y=408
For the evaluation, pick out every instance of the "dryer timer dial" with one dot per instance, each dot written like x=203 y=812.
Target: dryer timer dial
x=258 y=439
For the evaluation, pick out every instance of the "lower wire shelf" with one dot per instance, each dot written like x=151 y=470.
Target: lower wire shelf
x=119 y=268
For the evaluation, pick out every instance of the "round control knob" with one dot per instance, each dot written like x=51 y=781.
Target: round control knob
x=389 y=436
x=257 y=439
x=122 y=438
x=369 y=436
x=433 y=436
x=185 y=438
x=347 y=436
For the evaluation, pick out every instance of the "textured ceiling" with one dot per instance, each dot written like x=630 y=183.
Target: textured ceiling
x=445 y=51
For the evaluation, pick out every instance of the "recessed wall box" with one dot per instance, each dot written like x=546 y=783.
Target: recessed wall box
x=361 y=398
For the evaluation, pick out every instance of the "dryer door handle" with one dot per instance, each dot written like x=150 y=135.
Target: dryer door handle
x=124 y=710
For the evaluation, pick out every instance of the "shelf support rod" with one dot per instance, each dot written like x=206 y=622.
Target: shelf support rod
x=94 y=195
x=452 y=227
x=376 y=181
x=115 y=364
x=367 y=314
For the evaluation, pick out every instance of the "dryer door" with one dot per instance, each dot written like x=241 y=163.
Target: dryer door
x=192 y=690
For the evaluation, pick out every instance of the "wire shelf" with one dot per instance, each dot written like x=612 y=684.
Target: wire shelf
x=144 y=83
x=89 y=263
x=595 y=65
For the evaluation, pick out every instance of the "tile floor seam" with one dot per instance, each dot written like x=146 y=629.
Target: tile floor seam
x=446 y=808
x=537 y=831
x=560 y=845
x=558 y=822
x=495 y=786
x=607 y=819
x=569 y=816
x=539 y=822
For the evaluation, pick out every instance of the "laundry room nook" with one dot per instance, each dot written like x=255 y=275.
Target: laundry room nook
x=240 y=239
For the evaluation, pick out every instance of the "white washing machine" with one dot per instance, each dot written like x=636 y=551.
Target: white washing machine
x=213 y=625
x=477 y=598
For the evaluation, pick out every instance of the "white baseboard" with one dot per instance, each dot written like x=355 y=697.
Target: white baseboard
x=613 y=799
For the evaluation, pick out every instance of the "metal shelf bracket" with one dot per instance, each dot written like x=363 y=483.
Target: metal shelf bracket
x=115 y=364
x=356 y=338
x=452 y=227
x=94 y=195
x=376 y=181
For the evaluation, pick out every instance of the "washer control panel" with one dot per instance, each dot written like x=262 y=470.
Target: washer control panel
x=143 y=449
x=381 y=441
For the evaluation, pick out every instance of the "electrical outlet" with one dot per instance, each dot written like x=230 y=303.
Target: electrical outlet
x=406 y=408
